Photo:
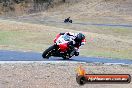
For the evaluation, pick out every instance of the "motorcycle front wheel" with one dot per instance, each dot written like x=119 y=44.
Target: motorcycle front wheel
x=48 y=52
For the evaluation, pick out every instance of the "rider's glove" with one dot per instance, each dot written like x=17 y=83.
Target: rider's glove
x=83 y=43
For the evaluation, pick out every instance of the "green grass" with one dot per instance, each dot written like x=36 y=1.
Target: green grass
x=116 y=31
x=107 y=54
x=23 y=40
x=40 y=40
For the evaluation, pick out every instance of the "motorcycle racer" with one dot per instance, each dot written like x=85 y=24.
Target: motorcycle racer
x=77 y=40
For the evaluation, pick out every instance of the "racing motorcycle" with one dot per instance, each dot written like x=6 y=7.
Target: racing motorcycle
x=67 y=21
x=62 y=47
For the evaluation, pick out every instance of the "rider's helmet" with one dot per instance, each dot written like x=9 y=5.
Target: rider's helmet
x=80 y=37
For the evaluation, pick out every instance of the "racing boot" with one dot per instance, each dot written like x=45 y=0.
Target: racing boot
x=76 y=53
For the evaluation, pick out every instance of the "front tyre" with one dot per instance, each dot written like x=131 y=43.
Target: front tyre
x=48 y=52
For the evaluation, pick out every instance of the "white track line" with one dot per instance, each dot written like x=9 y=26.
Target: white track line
x=116 y=64
x=112 y=63
x=45 y=62
x=55 y=62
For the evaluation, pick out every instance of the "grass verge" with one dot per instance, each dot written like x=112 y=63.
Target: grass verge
x=35 y=37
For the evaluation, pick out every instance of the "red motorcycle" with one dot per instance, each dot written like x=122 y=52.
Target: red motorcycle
x=62 y=48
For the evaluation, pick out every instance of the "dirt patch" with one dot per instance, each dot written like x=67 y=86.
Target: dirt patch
x=53 y=75
x=102 y=11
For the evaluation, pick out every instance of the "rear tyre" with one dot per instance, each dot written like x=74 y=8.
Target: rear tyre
x=48 y=52
x=65 y=58
x=70 y=21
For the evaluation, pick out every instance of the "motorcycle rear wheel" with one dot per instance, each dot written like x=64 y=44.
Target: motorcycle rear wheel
x=66 y=58
x=70 y=21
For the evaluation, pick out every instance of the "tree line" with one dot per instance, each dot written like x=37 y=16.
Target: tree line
x=26 y=6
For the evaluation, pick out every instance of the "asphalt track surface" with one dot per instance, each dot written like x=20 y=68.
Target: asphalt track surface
x=50 y=20
x=6 y=55
x=60 y=22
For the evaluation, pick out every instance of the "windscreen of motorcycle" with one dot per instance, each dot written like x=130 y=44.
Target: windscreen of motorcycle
x=63 y=39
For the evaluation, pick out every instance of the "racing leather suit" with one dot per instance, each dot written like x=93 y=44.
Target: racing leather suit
x=74 y=42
